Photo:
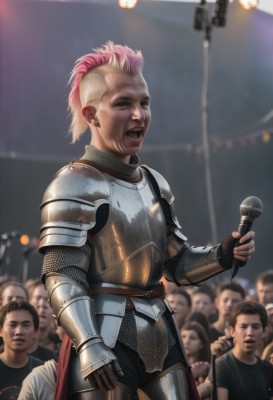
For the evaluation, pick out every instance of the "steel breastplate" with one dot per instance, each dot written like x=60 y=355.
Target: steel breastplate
x=129 y=250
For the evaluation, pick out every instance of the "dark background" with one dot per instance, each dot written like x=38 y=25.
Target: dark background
x=39 y=43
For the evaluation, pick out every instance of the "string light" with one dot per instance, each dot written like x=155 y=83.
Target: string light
x=248 y=4
x=127 y=3
x=24 y=240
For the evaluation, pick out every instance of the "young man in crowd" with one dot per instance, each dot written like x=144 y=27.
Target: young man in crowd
x=19 y=323
x=180 y=302
x=109 y=234
x=12 y=290
x=240 y=374
x=228 y=296
x=264 y=287
x=203 y=299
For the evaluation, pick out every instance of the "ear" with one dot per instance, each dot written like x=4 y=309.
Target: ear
x=89 y=113
x=232 y=331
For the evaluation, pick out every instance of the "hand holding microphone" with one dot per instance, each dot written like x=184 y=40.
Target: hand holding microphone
x=233 y=252
x=250 y=209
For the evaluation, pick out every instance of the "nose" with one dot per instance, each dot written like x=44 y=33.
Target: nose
x=249 y=331
x=138 y=113
x=19 y=330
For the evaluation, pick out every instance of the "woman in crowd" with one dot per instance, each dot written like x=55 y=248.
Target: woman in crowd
x=197 y=348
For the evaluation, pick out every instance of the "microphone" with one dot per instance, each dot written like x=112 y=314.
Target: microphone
x=250 y=209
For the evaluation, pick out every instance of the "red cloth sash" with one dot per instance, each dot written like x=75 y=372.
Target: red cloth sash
x=63 y=367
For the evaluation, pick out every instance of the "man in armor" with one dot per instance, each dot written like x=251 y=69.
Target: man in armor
x=109 y=234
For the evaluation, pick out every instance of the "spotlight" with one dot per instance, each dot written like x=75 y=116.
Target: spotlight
x=248 y=4
x=127 y=3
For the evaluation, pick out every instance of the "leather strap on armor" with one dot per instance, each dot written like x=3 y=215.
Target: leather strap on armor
x=158 y=291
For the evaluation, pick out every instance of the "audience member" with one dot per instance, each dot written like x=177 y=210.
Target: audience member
x=180 y=302
x=267 y=353
x=203 y=299
x=240 y=374
x=196 y=342
x=40 y=383
x=264 y=287
x=47 y=335
x=198 y=316
x=19 y=325
x=229 y=294
x=12 y=290
x=197 y=348
x=269 y=329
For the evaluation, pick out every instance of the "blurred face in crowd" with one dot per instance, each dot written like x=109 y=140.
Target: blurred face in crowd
x=247 y=333
x=269 y=311
x=202 y=302
x=179 y=306
x=39 y=300
x=18 y=331
x=12 y=293
x=264 y=292
x=192 y=342
x=226 y=301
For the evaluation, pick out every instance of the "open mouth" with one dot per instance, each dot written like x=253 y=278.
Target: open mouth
x=249 y=342
x=135 y=133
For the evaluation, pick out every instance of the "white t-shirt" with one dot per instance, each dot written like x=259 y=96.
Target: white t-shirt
x=40 y=383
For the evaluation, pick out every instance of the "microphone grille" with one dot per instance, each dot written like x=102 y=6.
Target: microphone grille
x=251 y=207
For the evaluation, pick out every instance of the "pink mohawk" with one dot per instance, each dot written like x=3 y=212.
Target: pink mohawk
x=121 y=57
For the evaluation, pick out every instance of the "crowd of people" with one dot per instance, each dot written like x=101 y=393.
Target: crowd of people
x=227 y=326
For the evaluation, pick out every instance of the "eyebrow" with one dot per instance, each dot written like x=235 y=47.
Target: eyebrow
x=129 y=98
x=19 y=322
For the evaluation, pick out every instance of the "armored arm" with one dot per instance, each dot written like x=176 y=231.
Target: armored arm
x=69 y=210
x=75 y=312
x=193 y=265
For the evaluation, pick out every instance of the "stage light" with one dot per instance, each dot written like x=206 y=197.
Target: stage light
x=127 y=3
x=24 y=240
x=248 y=4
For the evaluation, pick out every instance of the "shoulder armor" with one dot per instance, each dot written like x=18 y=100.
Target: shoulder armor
x=70 y=203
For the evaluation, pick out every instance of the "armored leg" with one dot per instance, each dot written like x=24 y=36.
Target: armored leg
x=171 y=384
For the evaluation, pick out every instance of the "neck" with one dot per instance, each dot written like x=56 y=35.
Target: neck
x=191 y=359
x=43 y=334
x=246 y=358
x=14 y=360
x=221 y=324
x=34 y=346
